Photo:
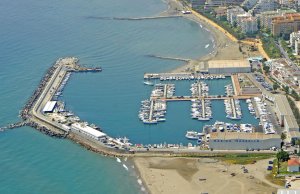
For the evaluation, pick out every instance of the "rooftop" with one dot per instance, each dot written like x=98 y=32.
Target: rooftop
x=283 y=105
x=294 y=162
x=291 y=121
x=228 y=63
x=89 y=130
x=241 y=135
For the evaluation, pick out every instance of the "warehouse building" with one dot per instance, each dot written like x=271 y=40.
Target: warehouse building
x=228 y=66
x=285 y=114
x=88 y=131
x=49 y=107
x=243 y=141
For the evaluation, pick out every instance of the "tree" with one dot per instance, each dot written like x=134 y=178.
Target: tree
x=297 y=142
x=266 y=68
x=275 y=86
x=282 y=156
x=283 y=136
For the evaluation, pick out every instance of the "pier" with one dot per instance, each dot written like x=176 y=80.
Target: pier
x=233 y=108
x=151 y=110
x=184 y=76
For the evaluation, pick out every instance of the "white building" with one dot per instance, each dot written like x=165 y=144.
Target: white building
x=243 y=141
x=232 y=14
x=295 y=42
x=87 y=131
x=249 y=25
x=49 y=107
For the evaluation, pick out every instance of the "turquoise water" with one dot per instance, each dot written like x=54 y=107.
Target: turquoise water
x=35 y=33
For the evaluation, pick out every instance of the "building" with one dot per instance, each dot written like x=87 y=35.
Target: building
x=249 y=4
x=243 y=141
x=197 y=3
x=49 y=107
x=285 y=114
x=264 y=5
x=249 y=25
x=285 y=73
x=293 y=165
x=232 y=13
x=288 y=191
x=88 y=131
x=228 y=66
x=266 y=17
x=295 y=42
x=217 y=3
x=285 y=24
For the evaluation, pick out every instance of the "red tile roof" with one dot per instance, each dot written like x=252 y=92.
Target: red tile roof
x=293 y=162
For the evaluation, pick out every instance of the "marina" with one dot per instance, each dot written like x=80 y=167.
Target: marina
x=183 y=76
x=45 y=112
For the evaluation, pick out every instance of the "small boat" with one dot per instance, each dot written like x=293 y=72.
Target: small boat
x=118 y=160
x=149 y=83
x=125 y=167
x=192 y=135
x=206 y=46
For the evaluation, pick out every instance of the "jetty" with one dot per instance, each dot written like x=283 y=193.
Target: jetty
x=135 y=18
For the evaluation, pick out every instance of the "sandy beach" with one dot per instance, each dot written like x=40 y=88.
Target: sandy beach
x=225 y=45
x=201 y=175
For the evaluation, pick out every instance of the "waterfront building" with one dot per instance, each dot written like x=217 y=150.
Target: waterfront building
x=228 y=66
x=265 y=18
x=243 y=141
x=232 y=14
x=264 y=5
x=49 y=107
x=249 y=25
x=285 y=24
x=293 y=165
x=87 y=131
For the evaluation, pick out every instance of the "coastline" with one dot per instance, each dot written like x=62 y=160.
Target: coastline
x=195 y=175
x=225 y=46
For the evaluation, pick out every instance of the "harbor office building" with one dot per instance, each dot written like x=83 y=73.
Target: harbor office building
x=243 y=141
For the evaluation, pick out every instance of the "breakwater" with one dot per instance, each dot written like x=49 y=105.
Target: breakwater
x=29 y=113
x=133 y=18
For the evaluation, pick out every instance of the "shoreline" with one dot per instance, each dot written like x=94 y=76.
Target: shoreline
x=195 y=175
x=225 y=46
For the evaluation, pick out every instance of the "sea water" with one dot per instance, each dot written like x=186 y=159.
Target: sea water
x=35 y=33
